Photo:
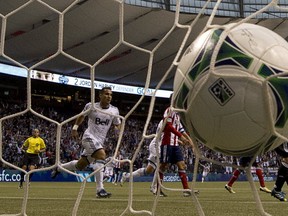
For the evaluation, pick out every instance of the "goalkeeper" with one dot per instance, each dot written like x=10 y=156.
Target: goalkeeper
x=32 y=147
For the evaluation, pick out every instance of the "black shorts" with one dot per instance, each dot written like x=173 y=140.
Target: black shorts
x=30 y=159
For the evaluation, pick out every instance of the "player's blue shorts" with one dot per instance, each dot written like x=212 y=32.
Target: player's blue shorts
x=245 y=161
x=171 y=154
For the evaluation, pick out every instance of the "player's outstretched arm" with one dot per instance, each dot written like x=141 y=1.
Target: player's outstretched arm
x=78 y=122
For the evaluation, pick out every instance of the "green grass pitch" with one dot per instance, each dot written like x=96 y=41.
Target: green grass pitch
x=58 y=199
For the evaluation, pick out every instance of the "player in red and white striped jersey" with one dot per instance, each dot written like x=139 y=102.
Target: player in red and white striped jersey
x=171 y=153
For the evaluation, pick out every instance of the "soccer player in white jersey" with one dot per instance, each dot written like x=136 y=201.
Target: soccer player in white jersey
x=99 y=123
x=152 y=161
x=206 y=170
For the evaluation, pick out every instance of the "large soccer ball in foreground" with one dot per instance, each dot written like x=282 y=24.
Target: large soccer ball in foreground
x=230 y=108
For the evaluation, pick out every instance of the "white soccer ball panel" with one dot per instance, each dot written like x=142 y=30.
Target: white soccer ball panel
x=192 y=52
x=255 y=39
x=214 y=91
x=202 y=118
x=238 y=132
x=231 y=122
x=276 y=56
x=258 y=104
x=188 y=60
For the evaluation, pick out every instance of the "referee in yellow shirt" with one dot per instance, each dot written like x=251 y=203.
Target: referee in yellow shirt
x=32 y=147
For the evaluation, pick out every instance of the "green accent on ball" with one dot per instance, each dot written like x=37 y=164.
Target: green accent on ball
x=228 y=50
x=182 y=97
x=203 y=60
x=265 y=71
x=280 y=84
x=279 y=89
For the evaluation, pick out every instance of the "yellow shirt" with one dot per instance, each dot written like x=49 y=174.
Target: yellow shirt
x=34 y=143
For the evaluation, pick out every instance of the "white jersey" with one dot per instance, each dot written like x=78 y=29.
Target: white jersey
x=99 y=122
x=153 y=145
x=206 y=170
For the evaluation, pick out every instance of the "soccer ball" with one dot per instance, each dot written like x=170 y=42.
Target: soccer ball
x=236 y=105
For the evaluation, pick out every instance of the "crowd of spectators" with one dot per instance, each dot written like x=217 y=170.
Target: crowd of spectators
x=17 y=128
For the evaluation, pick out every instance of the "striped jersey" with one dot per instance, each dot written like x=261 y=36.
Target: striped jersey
x=118 y=164
x=99 y=121
x=171 y=135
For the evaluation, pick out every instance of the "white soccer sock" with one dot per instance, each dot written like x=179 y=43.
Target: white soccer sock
x=153 y=185
x=138 y=172
x=70 y=165
x=99 y=164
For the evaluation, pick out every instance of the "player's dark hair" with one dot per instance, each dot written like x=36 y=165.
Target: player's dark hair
x=105 y=88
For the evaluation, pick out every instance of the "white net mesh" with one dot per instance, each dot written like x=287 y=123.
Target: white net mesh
x=188 y=28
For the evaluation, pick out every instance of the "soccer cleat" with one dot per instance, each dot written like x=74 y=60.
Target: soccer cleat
x=265 y=189
x=54 y=173
x=103 y=194
x=230 y=189
x=153 y=189
x=20 y=186
x=123 y=179
x=187 y=193
x=280 y=195
x=161 y=194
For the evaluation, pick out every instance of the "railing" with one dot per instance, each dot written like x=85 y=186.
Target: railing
x=227 y=8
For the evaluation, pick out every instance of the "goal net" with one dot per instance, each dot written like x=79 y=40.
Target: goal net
x=58 y=52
